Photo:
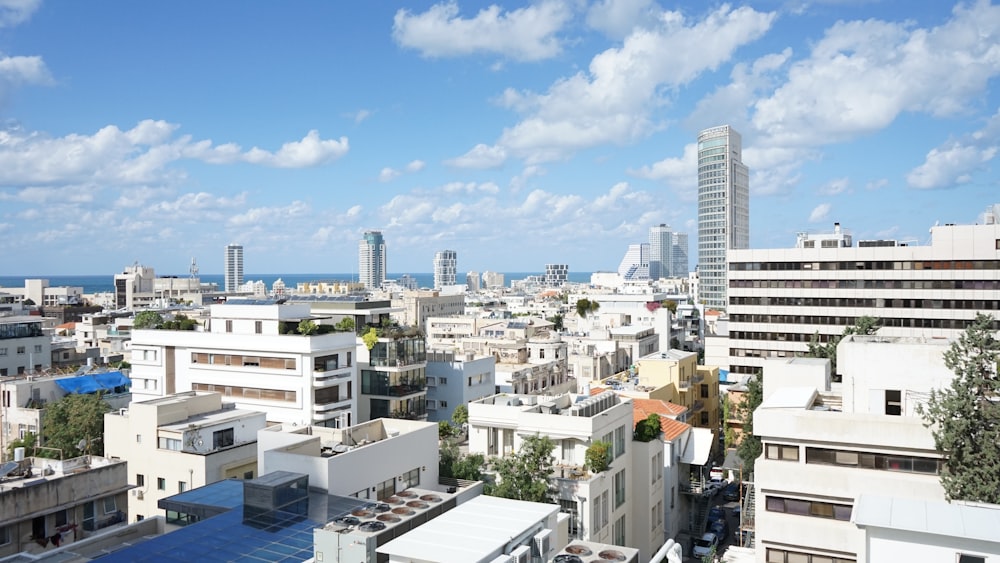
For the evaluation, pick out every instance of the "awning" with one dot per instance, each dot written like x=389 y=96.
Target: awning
x=698 y=446
x=86 y=384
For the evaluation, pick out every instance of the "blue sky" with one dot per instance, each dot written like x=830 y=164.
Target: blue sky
x=517 y=133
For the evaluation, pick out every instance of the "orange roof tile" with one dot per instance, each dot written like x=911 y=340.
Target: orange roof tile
x=642 y=408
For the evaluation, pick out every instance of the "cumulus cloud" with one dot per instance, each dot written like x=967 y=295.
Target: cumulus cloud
x=835 y=187
x=415 y=166
x=954 y=162
x=526 y=34
x=360 y=115
x=387 y=174
x=14 y=12
x=819 y=213
x=480 y=156
x=269 y=215
x=611 y=102
x=139 y=155
x=19 y=70
x=617 y=18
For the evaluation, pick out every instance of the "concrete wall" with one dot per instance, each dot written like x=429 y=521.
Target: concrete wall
x=885 y=545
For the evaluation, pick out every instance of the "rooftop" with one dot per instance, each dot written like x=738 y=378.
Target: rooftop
x=954 y=520
x=35 y=470
x=642 y=408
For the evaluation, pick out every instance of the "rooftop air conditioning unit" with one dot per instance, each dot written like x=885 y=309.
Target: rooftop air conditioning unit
x=521 y=555
x=138 y=495
x=542 y=544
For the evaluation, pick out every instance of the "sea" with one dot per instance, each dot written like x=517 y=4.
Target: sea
x=103 y=283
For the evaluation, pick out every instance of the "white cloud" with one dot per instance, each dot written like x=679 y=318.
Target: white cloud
x=819 y=213
x=480 y=156
x=835 y=187
x=387 y=174
x=954 y=162
x=415 y=166
x=310 y=151
x=18 y=70
x=527 y=34
x=360 y=115
x=680 y=174
x=14 y=12
x=617 y=18
x=877 y=184
x=611 y=102
x=269 y=215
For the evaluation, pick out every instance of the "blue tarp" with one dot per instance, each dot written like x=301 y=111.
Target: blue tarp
x=84 y=384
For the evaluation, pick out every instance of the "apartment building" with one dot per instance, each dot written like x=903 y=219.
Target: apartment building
x=46 y=503
x=455 y=378
x=688 y=384
x=603 y=507
x=779 y=298
x=134 y=287
x=253 y=355
x=24 y=346
x=179 y=442
x=393 y=376
x=828 y=444
x=447 y=333
x=415 y=307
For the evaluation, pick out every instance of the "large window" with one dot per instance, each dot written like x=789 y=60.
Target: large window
x=619 y=441
x=619 y=531
x=385 y=489
x=169 y=444
x=801 y=507
x=411 y=478
x=785 y=556
x=569 y=507
x=865 y=460
x=778 y=451
x=223 y=438
x=619 y=488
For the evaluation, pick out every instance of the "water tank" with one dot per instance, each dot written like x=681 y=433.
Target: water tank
x=19 y=454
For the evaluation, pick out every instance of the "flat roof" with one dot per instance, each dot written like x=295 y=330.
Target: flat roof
x=938 y=517
x=209 y=418
x=790 y=398
x=471 y=531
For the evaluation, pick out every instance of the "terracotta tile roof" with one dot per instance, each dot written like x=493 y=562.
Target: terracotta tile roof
x=642 y=408
x=67 y=325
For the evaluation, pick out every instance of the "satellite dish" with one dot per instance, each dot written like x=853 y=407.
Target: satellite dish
x=201 y=442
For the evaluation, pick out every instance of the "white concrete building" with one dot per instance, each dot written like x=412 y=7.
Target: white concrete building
x=635 y=265
x=445 y=268
x=602 y=505
x=372 y=260
x=254 y=356
x=134 y=287
x=825 y=445
x=556 y=274
x=779 y=298
x=413 y=308
x=233 y=267
x=24 y=347
x=179 y=442
x=454 y=379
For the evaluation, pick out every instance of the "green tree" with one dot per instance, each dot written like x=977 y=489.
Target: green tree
x=862 y=325
x=750 y=448
x=557 y=321
x=179 y=322
x=965 y=417
x=648 y=429
x=445 y=430
x=598 y=456
x=147 y=319
x=460 y=415
x=346 y=324
x=452 y=463
x=72 y=419
x=370 y=338
x=671 y=306
x=28 y=443
x=525 y=475
x=728 y=434
x=307 y=327
x=586 y=307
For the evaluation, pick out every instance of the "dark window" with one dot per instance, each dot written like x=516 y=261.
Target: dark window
x=223 y=438
x=258 y=327
x=962 y=557
x=140 y=480
x=38 y=528
x=161 y=484
x=893 y=402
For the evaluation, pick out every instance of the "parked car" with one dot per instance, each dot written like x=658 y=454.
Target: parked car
x=731 y=492
x=703 y=545
x=716 y=513
x=720 y=528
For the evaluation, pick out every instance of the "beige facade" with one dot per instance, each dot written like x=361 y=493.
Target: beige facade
x=690 y=385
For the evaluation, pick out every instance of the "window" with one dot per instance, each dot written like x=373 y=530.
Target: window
x=138 y=438
x=20 y=349
x=443 y=404
x=161 y=484
x=109 y=505
x=411 y=478
x=38 y=528
x=962 y=557
x=893 y=402
x=89 y=515
x=182 y=486
x=595 y=522
x=569 y=507
x=619 y=441
x=620 y=489
x=385 y=489
x=229 y=326
x=704 y=418
x=223 y=438
x=809 y=508
x=258 y=327
x=619 y=531
x=62 y=517
x=778 y=451
x=38 y=348
x=3 y=352
x=784 y=556
x=170 y=444
x=704 y=391
x=247 y=475
x=140 y=480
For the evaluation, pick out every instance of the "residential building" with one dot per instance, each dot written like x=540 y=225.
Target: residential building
x=600 y=505
x=456 y=378
x=414 y=307
x=252 y=353
x=333 y=287
x=661 y=256
x=179 y=442
x=393 y=375
x=24 y=347
x=690 y=385
x=472 y=281
x=483 y=530
x=445 y=268
x=780 y=298
x=493 y=280
x=42 y=295
x=448 y=333
x=134 y=287
x=556 y=274
x=723 y=209
x=827 y=444
x=635 y=265
x=371 y=260
x=46 y=503
x=233 y=267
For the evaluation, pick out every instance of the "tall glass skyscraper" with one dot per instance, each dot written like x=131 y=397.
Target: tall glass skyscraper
x=371 y=260
x=723 y=209
x=661 y=241
x=233 y=270
x=445 y=268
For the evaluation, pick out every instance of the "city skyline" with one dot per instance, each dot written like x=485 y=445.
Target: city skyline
x=518 y=135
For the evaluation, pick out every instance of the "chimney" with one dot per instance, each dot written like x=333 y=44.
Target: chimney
x=836 y=228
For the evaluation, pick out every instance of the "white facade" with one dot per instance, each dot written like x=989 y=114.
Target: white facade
x=371 y=260
x=233 y=267
x=456 y=379
x=180 y=442
x=779 y=298
x=556 y=274
x=824 y=448
x=24 y=347
x=412 y=308
x=134 y=288
x=492 y=280
x=635 y=265
x=723 y=209
x=445 y=268
x=307 y=380
x=473 y=281
x=837 y=239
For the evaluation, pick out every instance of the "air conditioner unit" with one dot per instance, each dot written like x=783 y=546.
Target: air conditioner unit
x=138 y=495
x=521 y=555
x=541 y=544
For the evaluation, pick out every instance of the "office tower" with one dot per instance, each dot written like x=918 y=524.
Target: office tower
x=635 y=265
x=472 y=281
x=660 y=251
x=723 y=209
x=679 y=256
x=371 y=260
x=445 y=268
x=233 y=267
x=556 y=274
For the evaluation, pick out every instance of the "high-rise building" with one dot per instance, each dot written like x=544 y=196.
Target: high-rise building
x=636 y=264
x=445 y=268
x=493 y=280
x=371 y=260
x=233 y=267
x=661 y=243
x=472 y=281
x=679 y=256
x=556 y=274
x=723 y=209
